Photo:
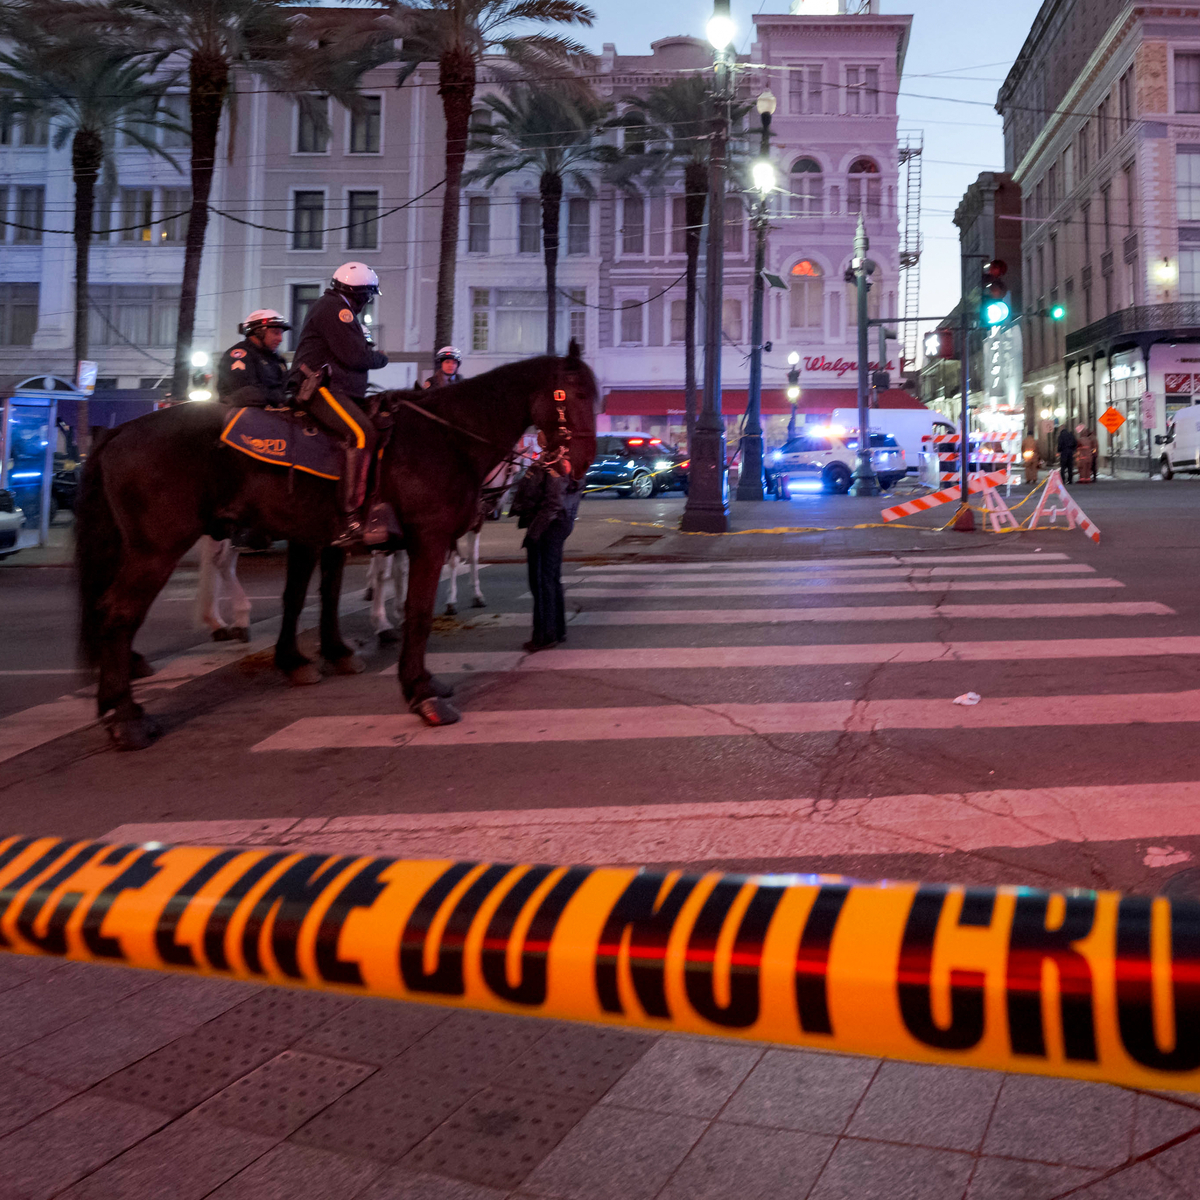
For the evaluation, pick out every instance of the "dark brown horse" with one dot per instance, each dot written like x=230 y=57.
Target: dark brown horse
x=156 y=484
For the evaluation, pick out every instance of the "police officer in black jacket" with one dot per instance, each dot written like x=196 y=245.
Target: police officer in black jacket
x=252 y=373
x=332 y=337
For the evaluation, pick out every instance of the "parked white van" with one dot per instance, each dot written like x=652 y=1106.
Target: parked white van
x=1179 y=448
x=913 y=429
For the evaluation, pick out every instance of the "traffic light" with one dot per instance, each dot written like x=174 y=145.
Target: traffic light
x=1058 y=312
x=994 y=308
x=793 y=387
x=939 y=343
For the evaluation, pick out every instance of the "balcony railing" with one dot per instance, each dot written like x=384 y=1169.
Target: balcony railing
x=1143 y=318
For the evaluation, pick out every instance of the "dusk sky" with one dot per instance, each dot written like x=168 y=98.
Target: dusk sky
x=958 y=55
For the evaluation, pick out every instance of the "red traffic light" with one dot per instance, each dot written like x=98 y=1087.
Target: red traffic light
x=993 y=284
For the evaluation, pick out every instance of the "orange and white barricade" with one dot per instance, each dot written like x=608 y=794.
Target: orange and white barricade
x=976 y=483
x=1066 y=507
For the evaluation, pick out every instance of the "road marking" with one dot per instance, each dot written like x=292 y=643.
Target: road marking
x=894 y=587
x=897 y=572
x=776 y=564
x=49 y=671
x=724 y=657
x=637 y=723
x=726 y=830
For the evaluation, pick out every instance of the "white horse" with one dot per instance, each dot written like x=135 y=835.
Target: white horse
x=218 y=583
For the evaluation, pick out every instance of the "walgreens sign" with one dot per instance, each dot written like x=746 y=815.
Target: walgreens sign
x=819 y=364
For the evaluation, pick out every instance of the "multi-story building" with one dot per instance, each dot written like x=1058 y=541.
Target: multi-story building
x=1102 y=133
x=296 y=195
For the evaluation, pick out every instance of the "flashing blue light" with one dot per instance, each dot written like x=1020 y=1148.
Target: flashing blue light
x=805 y=485
x=26 y=475
x=776 y=456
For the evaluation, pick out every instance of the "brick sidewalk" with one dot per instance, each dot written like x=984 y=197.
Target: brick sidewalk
x=124 y=1084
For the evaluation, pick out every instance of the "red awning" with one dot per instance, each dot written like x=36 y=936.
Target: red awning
x=669 y=401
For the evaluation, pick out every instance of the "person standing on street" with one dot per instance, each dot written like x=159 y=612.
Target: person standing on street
x=1029 y=456
x=546 y=503
x=332 y=337
x=252 y=373
x=1066 y=453
x=1085 y=455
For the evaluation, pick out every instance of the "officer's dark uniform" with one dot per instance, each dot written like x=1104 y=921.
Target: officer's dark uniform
x=250 y=376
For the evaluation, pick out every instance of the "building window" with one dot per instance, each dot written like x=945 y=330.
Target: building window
x=363 y=220
x=304 y=296
x=175 y=107
x=1187 y=182
x=1187 y=83
x=1128 y=173
x=1108 y=294
x=1081 y=151
x=312 y=125
x=634 y=133
x=735 y=225
x=513 y=321
x=1039 y=199
x=34 y=129
x=1052 y=186
x=806 y=188
x=631 y=322
x=633 y=233
x=529 y=232
x=678 y=225
x=479 y=224
x=1085 y=216
x=1103 y=128
x=804 y=90
x=579 y=226
x=308 y=220
x=175 y=205
x=18 y=313
x=1106 y=213
x=862 y=90
x=137 y=213
x=1125 y=102
x=102 y=222
x=731 y=320
x=132 y=314
x=1189 y=275
x=807 y=295
x=678 y=321
x=1054 y=260
x=365 y=124
x=7 y=126
x=31 y=205
x=862 y=188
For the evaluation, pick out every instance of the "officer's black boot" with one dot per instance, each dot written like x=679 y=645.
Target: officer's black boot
x=352 y=492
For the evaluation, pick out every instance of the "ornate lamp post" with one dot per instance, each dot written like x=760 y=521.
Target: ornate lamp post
x=750 y=481
x=707 y=508
x=865 y=483
x=793 y=390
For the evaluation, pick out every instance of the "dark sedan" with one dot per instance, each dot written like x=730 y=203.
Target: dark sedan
x=636 y=465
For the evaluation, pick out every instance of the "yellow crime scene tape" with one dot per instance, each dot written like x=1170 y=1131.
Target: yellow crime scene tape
x=1089 y=985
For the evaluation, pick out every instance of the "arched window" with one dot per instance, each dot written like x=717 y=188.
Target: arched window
x=862 y=190
x=807 y=288
x=874 y=296
x=806 y=188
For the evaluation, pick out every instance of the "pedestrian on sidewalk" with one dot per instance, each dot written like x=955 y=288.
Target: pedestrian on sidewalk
x=1067 y=445
x=1085 y=455
x=1029 y=456
x=546 y=502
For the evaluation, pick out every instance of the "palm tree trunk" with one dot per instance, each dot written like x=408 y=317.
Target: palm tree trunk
x=208 y=83
x=87 y=153
x=695 y=183
x=552 y=190
x=456 y=86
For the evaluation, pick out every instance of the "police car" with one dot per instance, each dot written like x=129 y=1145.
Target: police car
x=824 y=458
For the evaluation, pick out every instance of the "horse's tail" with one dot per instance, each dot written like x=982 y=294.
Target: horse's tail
x=98 y=546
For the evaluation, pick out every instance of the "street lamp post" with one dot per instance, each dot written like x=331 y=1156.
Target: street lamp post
x=793 y=390
x=865 y=483
x=750 y=481
x=707 y=508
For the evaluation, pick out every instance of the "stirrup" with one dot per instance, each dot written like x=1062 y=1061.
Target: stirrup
x=381 y=524
x=351 y=534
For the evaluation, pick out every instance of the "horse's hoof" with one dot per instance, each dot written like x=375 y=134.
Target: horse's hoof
x=239 y=633
x=452 y=610
x=440 y=688
x=388 y=637
x=139 y=668
x=369 y=593
x=304 y=676
x=435 y=711
x=348 y=664
x=132 y=733
x=224 y=634
x=479 y=602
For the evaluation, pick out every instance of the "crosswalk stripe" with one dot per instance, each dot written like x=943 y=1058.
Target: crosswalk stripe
x=893 y=587
x=514 y=726
x=808 y=564
x=675 y=658
x=898 y=572
x=724 y=830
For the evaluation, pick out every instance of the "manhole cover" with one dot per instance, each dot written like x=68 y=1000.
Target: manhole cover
x=637 y=539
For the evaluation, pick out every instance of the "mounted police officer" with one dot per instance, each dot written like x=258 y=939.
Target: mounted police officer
x=252 y=373
x=446 y=364
x=332 y=337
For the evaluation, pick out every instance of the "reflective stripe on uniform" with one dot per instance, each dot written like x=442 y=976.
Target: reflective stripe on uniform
x=360 y=438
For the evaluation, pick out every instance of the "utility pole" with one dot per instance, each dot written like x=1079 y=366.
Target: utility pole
x=707 y=508
x=750 y=480
x=865 y=483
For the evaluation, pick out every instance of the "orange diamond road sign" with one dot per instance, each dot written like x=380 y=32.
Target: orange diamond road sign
x=1112 y=420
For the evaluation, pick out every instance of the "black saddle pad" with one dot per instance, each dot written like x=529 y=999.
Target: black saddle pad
x=284 y=438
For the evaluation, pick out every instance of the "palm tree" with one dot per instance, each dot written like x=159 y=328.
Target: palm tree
x=299 y=50
x=556 y=133
x=673 y=123
x=457 y=34
x=92 y=91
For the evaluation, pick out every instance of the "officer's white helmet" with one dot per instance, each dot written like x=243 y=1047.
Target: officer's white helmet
x=263 y=318
x=356 y=277
x=448 y=352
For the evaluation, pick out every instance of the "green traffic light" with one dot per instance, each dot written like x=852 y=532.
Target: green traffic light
x=1058 y=312
x=995 y=312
